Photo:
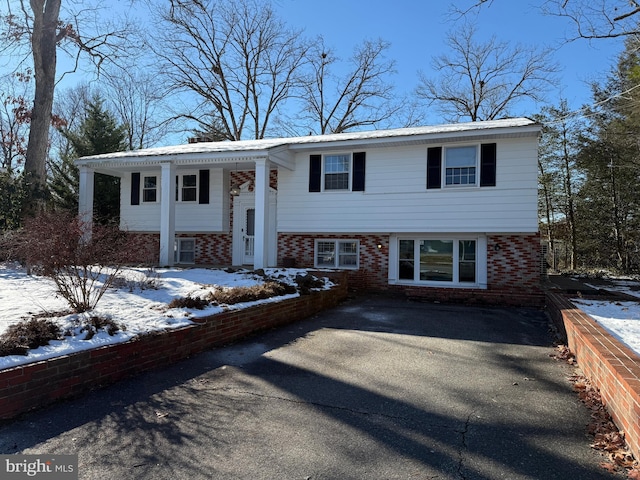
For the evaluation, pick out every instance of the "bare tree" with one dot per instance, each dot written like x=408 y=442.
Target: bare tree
x=360 y=97
x=70 y=105
x=591 y=19
x=239 y=60
x=39 y=26
x=138 y=100
x=14 y=118
x=485 y=80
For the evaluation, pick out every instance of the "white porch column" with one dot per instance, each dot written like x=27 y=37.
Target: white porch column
x=167 y=213
x=85 y=199
x=261 y=190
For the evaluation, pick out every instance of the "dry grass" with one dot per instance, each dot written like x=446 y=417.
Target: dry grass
x=34 y=333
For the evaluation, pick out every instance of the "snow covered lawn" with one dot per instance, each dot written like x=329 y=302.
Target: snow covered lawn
x=620 y=318
x=139 y=304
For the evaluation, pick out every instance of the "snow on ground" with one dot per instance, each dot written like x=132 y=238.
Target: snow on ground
x=620 y=318
x=139 y=303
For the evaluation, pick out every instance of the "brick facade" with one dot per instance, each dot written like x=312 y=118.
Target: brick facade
x=513 y=276
x=514 y=263
x=37 y=384
x=374 y=255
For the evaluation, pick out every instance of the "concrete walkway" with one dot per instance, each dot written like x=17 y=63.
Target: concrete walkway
x=377 y=388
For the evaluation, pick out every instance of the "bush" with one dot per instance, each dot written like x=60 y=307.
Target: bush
x=95 y=323
x=34 y=333
x=56 y=245
x=267 y=289
x=189 y=302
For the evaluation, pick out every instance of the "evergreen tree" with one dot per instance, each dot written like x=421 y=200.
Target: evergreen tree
x=558 y=182
x=97 y=133
x=608 y=203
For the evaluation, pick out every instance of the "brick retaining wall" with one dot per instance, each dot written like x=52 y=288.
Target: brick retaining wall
x=608 y=364
x=34 y=385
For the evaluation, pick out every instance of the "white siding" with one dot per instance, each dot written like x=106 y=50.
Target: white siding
x=396 y=198
x=190 y=216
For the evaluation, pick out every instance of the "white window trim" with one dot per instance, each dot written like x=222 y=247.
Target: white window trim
x=179 y=186
x=349 y=181
x=481 y=260
x=443 y=164
x=178 y=250
x=336 y=242
x=157 y=189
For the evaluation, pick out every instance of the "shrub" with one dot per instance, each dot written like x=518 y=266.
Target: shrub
x=189 y=302
x=57 y=245
x=95 y=323
x=267 y=289
x=33 y=333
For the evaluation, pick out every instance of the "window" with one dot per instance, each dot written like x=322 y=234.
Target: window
x=337 y=254
x=150 y=189
x=460 y=166
x=336 y=172
x=185 y=250
x=186 y=188
x=451 y=261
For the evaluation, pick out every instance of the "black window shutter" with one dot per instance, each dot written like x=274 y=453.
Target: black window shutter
x=434 y=167
x=359 y=160
x=488 y=165
x=135 y=188
x=203 y=195
x=315 y=173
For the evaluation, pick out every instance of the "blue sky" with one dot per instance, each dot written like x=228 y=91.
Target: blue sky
x=416 y=30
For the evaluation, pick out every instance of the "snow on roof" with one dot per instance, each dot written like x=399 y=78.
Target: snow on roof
x=264 y=145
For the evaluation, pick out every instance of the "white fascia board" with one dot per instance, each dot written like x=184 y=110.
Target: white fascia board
x=423 y=139
x=208 y=158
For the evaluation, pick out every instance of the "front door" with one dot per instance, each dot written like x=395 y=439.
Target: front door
x=244 y=216
x=248 y=235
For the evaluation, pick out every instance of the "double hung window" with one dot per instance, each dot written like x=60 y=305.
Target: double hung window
x=460 y=166
x=336 y=254
x=187 y=188
x=336 y=172
x=464 y=166
x=185 y=250
x=150 y=189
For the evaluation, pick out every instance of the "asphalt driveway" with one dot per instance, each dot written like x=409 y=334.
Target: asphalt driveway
x=377 y=388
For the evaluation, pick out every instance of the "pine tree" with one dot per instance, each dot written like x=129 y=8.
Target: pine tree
x=97 y=133
x=558 y=182
x=609 y=204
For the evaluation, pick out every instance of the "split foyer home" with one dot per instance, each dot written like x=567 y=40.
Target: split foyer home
x=442 y=212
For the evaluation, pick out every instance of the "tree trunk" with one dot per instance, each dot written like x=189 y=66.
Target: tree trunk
x=43 y=42
x=568 y=191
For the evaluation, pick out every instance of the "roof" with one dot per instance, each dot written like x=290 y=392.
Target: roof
x=250 y=148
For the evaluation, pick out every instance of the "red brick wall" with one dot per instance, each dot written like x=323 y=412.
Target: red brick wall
x=241 y=177
x=211 y=248
x=145 y=247
x=513 y=262
x=513 y=277
x=374 y=254
x=34 y=385
x=609 y=365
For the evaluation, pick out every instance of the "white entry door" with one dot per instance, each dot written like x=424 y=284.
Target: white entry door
x=248 y=235
x=244 y=216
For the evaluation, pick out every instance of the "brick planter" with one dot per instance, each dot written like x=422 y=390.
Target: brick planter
x=37 y=384
x=609 y=365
